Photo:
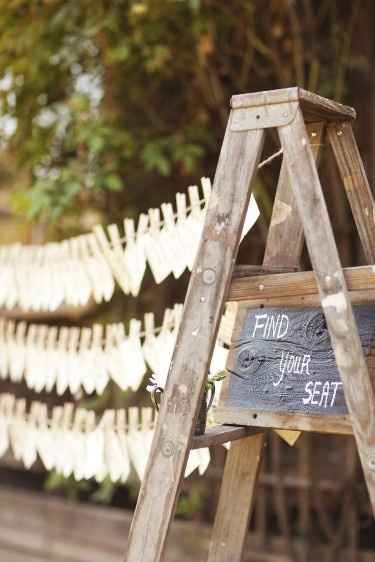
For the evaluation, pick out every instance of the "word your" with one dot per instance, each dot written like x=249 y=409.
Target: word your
x=272 y=326
x=320 y=394
x=296 y=364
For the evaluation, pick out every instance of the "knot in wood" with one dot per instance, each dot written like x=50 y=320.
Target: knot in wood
x=316 y=330
x=247 y=361
x=209 y=276
x=168 y=448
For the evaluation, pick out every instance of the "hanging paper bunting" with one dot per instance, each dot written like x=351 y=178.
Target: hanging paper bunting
x=75 y=443
x=49 y=358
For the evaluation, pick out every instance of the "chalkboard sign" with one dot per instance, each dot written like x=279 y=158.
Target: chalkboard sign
x=283 y=362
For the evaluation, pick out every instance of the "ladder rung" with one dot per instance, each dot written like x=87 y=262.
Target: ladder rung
x=253 y=270
x=222 y=434
x=360 y=282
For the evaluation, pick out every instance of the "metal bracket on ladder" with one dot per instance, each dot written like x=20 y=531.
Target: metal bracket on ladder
x=299 y=207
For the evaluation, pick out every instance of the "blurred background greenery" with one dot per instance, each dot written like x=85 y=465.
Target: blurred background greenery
x=111 y=106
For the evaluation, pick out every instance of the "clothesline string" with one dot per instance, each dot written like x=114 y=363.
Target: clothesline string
x=264 y=162
x=202 y=202
x=189 y=208
x=144 y=333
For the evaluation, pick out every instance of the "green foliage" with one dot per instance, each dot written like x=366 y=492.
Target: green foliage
x=104 y=494
x=112 y=99
x=159 y=155
x=73 y=490
x=192 y=501
x=70 y=487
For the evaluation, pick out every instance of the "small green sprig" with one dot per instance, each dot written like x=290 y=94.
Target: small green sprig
x=217 y=377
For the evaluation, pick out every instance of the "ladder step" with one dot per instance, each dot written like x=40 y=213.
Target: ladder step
x=360 y=282
x=253 y=270
x=222 y=434
x=314 y=107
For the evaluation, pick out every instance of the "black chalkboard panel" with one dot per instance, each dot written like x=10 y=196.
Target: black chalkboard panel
x=284 y=362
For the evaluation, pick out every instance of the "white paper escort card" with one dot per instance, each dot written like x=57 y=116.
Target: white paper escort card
x=80 y=269
x=75 y=443
x=50 y=358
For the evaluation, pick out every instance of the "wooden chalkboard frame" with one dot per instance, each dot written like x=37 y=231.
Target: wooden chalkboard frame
x=289 y=290
x=339 y=424
x=297 y=289
x=292 y=290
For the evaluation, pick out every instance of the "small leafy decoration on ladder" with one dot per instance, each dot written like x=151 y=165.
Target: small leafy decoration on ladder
x=156 y=392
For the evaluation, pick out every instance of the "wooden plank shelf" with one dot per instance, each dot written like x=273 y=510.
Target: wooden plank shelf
x=315 y=108
x=243 y=270
x=300 y=286
x=220 y=434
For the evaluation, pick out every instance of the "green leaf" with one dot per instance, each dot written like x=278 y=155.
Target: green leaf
x=118 y=54
x=113 y=182
x=155 y=158
x=104 y=494
x=96 y=143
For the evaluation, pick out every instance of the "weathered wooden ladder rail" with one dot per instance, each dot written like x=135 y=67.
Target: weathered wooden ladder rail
x=302 y=120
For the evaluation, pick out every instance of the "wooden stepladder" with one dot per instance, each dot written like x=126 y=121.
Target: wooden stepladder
x=300 y=118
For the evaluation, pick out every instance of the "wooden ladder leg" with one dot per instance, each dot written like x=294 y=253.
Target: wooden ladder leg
x=236 y=499
x=334 y=295
x=285 y=226
x=245 y=457
x=285 y=222
x=208 y=287
x=353 y=175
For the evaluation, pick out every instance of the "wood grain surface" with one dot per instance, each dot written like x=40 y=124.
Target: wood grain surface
x=236 y=499
x=245 y=458
x=355 y=182
x=284 y=362
x=314 y=107
x=360 y=282
x=206 y=295
x=359 y=393
x=220 y=434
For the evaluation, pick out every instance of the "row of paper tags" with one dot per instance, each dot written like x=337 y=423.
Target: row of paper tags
x=75 y=443
x=47 y=357
x=77 y=270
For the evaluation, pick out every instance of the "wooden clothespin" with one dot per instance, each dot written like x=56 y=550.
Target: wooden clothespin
x=83 y=289
x=87 y=375
x=131 y=351
x=110 y=255
x=51 y=357
x=118 y=254
x=62 y=380
x=45 y=442
x=17 y=366
x=73 y=360
x=158 y=261
x=121 y=429
x=134 y=256
x=207 y=190
x=79 y=434
x=170 y=241
x=101 y=375
x=150 y=343
x=100 y=271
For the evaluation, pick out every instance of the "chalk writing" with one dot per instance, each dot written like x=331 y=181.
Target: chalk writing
x=285 y=362
x=296 y=364
x=272 y=326
x=321 y=394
